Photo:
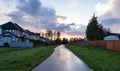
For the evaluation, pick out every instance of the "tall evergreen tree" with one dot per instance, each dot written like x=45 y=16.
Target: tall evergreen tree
x=94 y=30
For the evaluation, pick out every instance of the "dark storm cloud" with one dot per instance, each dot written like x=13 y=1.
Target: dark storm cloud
x=35 y=13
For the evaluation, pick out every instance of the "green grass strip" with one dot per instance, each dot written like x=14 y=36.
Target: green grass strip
x=98 y=59
x=24 y=60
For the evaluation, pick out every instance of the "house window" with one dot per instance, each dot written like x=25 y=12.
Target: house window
x=13 y=31
x=13 y=39
x=9 y=30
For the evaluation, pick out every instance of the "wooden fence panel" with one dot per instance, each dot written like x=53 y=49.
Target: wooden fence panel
x=116 y=45
x=108 y=44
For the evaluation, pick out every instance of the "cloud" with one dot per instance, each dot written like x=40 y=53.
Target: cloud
x=32 y=15
x=109 y=14
x=31 y=12
x=73 y=4
x=111 y=21
x=103 y=8
x=62 y=17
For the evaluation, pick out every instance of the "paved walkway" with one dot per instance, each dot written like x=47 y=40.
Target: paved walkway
x=62 y=60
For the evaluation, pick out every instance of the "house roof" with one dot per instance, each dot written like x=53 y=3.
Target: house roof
x=14 y=26
x=11 y=26
x=20 y=28
x=115 y=34
x=29 y=32
x=32 y=33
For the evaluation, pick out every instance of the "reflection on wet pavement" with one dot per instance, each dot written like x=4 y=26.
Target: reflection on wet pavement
x=62 y=60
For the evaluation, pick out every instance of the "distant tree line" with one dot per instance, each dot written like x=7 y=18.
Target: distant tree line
x=96 y=31
x=55 y=37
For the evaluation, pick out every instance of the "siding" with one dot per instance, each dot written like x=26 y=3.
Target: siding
x=1 y=44
x=7 y=39
x=21 y=44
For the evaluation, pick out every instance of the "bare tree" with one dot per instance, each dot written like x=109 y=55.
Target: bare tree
x=58 y=34
x=49 y=34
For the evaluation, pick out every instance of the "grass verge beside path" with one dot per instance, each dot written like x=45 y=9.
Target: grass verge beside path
x=9 y=49
x=4 y=49
x=24 y=60
x=98 y=59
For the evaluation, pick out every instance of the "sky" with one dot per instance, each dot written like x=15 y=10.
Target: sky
x=68 y=16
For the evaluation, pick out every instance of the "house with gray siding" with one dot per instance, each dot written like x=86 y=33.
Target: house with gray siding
x=32 y=35
x=13 y=35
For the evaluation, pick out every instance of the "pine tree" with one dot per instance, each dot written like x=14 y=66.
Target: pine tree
x=94 y=30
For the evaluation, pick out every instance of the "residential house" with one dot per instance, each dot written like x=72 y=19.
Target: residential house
x=115 y=34
x=13 y=35
x=32 y=35
x=44 y=40
x=112 y=36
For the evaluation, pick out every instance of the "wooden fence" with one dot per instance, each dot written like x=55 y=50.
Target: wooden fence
x=108 y=44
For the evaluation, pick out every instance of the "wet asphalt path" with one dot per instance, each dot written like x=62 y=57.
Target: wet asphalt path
x=62 y=60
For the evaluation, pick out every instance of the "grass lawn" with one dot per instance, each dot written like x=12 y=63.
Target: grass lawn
x=3 y=49
x=24 y=60
x=98 y=59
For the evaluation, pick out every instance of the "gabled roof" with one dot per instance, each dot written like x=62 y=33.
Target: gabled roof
x=11 y=26
x=20 y=28
x=29 y=32
x=32 y=33
x=115 y=34
x=14 y=26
